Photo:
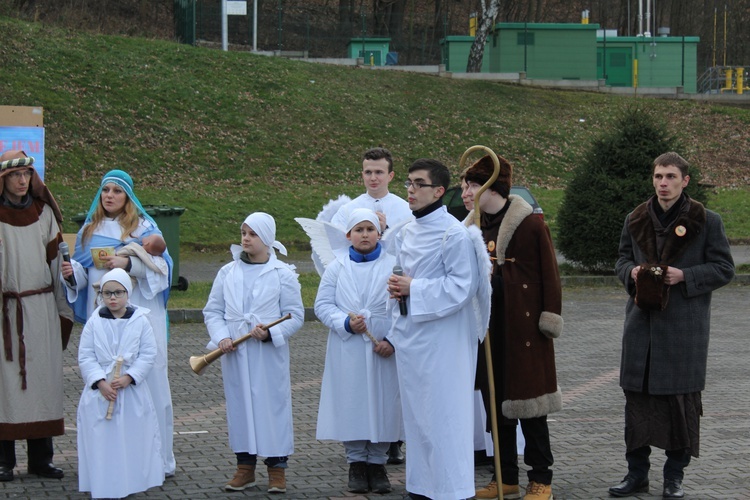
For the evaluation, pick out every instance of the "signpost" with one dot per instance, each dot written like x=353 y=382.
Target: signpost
x=235 y=8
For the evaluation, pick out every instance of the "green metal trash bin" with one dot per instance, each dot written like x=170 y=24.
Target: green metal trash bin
x=168 y=220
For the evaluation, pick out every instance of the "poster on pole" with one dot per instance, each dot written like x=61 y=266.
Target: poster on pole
x=21 y=127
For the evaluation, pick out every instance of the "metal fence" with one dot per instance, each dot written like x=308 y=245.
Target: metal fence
x=324 y=28
x=724 y=80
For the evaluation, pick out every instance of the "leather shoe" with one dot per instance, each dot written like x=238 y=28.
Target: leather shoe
x=673 y=489
x=47 y=470
x=629 y=487
x=6 y=473
x=395 y=455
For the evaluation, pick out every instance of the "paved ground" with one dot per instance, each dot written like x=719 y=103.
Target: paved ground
x=586 y=436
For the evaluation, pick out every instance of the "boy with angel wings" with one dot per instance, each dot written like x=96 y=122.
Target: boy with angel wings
x=359 y=402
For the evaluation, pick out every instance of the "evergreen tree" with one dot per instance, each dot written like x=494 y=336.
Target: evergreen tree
x=614 y=178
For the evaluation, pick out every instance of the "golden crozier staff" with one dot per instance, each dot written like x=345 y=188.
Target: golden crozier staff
x=487 y=349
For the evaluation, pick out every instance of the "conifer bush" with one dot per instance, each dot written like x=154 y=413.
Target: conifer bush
x=613 y=178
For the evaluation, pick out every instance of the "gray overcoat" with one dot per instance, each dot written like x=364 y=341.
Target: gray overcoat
x=672 y=344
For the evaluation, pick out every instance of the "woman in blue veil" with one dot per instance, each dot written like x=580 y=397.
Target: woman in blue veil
x=117 y=223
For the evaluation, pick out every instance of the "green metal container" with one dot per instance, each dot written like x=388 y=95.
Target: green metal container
x=372 y=50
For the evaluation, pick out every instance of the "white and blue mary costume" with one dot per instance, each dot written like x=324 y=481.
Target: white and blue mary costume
x=150 y=291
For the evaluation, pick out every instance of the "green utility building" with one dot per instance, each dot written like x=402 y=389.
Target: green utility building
x=372 y=50
x=456 y=51
x=655 y=62
x=575 y=52
x=544 y=51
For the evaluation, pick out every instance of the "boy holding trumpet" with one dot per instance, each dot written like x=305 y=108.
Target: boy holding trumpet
x=248 y=293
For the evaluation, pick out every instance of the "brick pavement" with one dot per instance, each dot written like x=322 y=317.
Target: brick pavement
x=586 y=436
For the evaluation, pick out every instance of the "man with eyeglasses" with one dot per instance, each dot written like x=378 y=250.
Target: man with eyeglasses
x=377 y=173
x=35 y=318
x=444 y=285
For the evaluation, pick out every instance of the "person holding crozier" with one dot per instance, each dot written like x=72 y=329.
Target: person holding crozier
x=525 y=320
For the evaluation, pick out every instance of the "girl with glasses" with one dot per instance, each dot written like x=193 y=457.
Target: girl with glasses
x=116 y=415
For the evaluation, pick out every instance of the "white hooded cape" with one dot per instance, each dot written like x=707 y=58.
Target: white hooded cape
x=121 y=456
x=256 y=376
x=359 y=396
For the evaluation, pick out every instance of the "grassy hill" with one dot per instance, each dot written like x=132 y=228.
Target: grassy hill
x=226 y=134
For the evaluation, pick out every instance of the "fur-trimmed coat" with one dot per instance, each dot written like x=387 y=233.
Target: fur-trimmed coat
x=677 y=337
x=533 y=306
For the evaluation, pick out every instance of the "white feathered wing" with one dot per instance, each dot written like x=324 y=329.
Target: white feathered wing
x=327 y=240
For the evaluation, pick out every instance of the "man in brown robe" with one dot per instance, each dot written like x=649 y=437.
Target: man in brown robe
x=35 y=318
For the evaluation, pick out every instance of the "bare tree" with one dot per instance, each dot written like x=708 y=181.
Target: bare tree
x=489 y=13
x=389 y=19
x=346 y=17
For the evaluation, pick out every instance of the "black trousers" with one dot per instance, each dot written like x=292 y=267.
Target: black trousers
x=537 y=453
x=40 y=452
x=674 y=467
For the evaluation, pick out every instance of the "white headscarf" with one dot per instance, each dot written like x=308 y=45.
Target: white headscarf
x=265 y=227
x=120 y=276
x=362 y=214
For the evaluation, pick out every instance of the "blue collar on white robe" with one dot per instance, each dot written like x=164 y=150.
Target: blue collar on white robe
x=362 y=257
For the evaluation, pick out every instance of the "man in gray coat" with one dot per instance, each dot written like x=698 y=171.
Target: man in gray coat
x=673 y=254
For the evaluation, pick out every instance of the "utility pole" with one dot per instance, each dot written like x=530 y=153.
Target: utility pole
x=224 y=27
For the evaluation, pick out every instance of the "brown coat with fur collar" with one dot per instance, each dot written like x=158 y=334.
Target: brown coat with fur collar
x=533 y=304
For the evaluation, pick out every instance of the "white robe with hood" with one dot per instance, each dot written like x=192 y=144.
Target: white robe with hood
x=359 y=395
x=257 y=383
x=121 y=456
x=436 y=349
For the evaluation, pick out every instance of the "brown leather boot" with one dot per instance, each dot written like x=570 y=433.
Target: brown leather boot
x=243 y=478
x=276 y=480
x=538 y=491
x=510 y=491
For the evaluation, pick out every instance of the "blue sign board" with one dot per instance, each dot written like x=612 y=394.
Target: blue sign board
x=27 y=139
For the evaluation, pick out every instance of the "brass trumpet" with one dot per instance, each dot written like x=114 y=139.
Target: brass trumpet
x=199 y=363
